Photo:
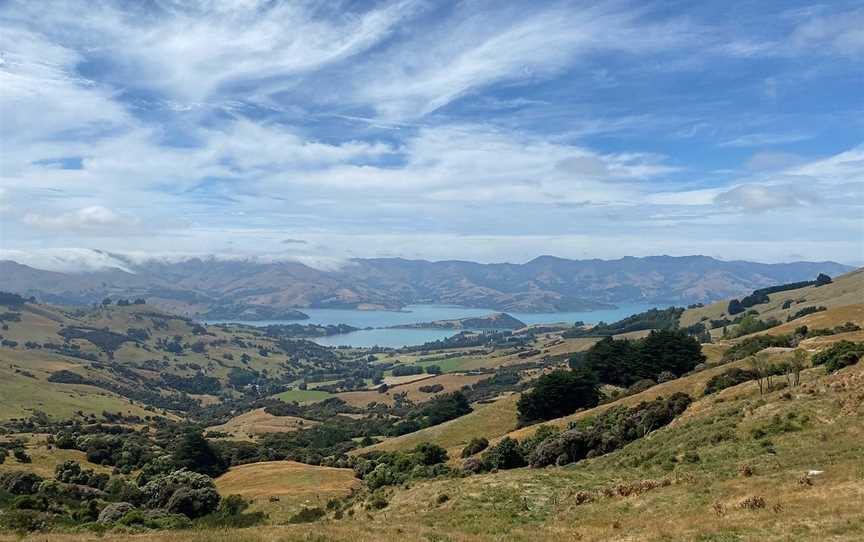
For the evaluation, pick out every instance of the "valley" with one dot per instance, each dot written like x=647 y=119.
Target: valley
x=316 y=435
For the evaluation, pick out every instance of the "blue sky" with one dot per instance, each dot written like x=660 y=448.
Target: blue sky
x=490 y=131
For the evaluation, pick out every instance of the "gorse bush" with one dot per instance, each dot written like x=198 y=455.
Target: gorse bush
x=727 y=379
x=379 y=469
x=182 y=491
x=839 y=355
x=70 y=472
x=608 y=431
x=751 y=345
x=507 y=454
x=475 y=446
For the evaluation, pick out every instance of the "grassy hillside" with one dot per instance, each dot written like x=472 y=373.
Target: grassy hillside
x=735 y=467
x=844 y=290
x=257 y=422
x=490 y=420
x=281 y=488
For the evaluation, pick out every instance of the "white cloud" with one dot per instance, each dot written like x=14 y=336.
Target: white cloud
x=845 y=167
x=66 y=260
x=772 y=161
x=764 y=139
x=837 y=32
x=479 y=48
x=757 y=197
x=193 y=49
x=93 y=218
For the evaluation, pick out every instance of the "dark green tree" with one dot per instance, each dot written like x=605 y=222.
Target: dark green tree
x=195 y=453
x=558 y=394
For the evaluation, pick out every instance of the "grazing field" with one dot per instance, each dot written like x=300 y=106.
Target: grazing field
x=845 y=290
x=45 y=459
x=303 y=396
x=257 y=422
x=833 y=317
x=450 y=381
x=293 y=484
x=24 y=389
x=490 y=420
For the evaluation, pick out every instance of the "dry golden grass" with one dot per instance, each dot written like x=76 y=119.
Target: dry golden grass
x=490 y=420
x=257 y=422
x=833 y=317
x=846 y=289
x=595 y=499
x=45 y=460
x=450 y=381
x=294 y=484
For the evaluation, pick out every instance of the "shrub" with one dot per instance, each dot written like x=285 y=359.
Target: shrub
x=197 y=493
x=751 y=345
x=114 y=512
x=472 y=465
x=70 y=472
x=430 y=454
x=119 y=489
x=840 y=354
x=21 y=456
x=640 y=386
x=475 y=446
x=666 y=376
x=193 y=503
x=505 y=455
x=608 y=431
x=230 y=514
x=307 y=515
x=431 y=388
x=19 y=482
x=23 y=521
x=727 y=379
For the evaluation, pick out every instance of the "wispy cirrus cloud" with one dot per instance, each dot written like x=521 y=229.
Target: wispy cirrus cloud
x=232 y=126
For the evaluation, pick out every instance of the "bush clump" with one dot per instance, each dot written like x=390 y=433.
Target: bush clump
x=839 y=355
x=475 y=446
x=608 y=431
x=729 y=378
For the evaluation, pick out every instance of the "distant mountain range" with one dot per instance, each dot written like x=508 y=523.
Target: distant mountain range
x=213 y=287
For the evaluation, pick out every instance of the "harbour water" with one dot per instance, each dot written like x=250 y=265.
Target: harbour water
x=412 y=314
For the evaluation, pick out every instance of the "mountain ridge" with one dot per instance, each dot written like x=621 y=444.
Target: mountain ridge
x=544 y=284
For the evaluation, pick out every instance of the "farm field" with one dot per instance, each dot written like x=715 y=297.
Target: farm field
x=281 y=488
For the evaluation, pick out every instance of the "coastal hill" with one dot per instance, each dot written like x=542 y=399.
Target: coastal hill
x=500 y=320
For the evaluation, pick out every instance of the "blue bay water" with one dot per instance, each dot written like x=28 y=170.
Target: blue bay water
x=413 y=314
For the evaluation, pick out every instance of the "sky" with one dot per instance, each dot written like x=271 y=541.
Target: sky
x=487 y=131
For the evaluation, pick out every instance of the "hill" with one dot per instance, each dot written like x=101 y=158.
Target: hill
x=499 y=320
x=844 y=290
x=545 y=284
x=281 y=488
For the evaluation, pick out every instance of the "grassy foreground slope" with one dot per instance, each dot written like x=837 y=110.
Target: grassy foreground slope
x=734 y=467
